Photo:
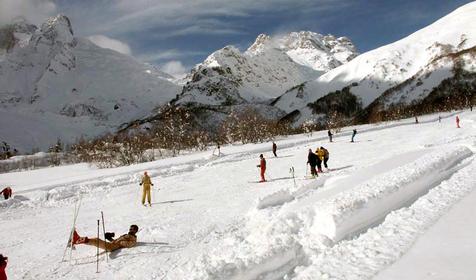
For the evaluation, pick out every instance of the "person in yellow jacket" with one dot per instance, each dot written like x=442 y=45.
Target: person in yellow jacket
x=146 y=183
x=124 y=241
x=323 y=155
x=320 y=158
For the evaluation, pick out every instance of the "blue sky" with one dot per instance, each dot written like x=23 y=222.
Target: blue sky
x=177 y=34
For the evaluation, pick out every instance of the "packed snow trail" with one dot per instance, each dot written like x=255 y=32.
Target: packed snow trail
x=200 y=213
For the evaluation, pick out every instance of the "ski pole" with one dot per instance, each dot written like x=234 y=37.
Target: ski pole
x=291 y=170
x=104 y=232
x=97 y=252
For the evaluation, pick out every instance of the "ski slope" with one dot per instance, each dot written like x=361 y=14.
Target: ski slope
x=211 y=220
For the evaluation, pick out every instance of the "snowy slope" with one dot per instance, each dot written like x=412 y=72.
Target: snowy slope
x=411 y=67
x=49 y=77
x=211 y=220
x=269 y=67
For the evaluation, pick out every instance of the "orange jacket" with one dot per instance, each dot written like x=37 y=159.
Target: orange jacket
x=262 y=164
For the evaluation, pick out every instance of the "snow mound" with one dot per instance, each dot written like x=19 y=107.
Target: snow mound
x=353 y=211
x=365 y=256
x=274 y=242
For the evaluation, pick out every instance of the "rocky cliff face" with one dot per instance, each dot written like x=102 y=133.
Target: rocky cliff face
x=68 y=86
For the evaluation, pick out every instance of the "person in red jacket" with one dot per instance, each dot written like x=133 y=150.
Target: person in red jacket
x=3 y=265
x=7 y=193
x=262 y=165
x=457 y=122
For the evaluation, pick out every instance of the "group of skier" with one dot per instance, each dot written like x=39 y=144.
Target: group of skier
x=316 y=159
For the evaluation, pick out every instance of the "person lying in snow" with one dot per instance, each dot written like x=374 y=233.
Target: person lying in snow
x=124 y=241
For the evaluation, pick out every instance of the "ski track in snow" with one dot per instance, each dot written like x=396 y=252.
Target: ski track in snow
x=208 y=222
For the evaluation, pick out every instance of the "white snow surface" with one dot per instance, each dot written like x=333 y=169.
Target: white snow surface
x=54 y=85
x=210 y=219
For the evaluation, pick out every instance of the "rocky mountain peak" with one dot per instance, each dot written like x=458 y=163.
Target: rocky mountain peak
x=58 y=29
x=259 y=45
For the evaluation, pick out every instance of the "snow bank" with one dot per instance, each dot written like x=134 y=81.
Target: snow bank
x=275 y=242
x=353 y=211
x=40 y=159
x=287 y=195
x=365 y=256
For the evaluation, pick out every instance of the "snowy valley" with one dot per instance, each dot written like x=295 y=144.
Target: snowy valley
x=210 y=219
x=396 y=203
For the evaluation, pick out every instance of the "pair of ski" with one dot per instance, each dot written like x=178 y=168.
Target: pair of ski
x=70 y=243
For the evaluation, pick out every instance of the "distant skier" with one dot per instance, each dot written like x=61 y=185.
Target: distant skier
x=325 y=155
x=124 y=241
x=329 y=133
x=3 y=266
x=274 y=149
x=354 y=132
x=312 y=161
x=457 y=122
x=416 y=119
x=7 y=193
x=439 y=119
x=217 y=148
x=146 y=183
x=262 y=166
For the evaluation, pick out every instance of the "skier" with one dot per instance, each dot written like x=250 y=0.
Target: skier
x=274 y=149
x=354 y=132
x=330 y=135
x=262 y=166
x=323 y=153
x=416 y=119
x=146 y=188
x=124 y=241
x=439 y=119
x=3 y=266
x=7 y=193
x=319 y=161
x=312 y=161
x=457 y=122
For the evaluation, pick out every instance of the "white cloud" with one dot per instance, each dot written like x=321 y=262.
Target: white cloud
x=109 y=43
x=168 y=55
x=175 y=68
x=34 y=11
x=183 y=17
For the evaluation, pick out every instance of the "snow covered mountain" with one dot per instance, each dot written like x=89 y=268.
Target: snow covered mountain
x=408 y=72
x=269 y=67
x=55 y=85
